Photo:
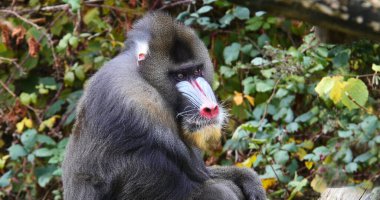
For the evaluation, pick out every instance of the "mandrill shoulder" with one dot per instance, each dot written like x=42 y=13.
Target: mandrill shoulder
x=118 y=95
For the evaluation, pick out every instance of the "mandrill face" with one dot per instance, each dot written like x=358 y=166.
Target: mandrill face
x=200 y=113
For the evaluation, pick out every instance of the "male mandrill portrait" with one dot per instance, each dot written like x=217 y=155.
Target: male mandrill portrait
x=143 y=120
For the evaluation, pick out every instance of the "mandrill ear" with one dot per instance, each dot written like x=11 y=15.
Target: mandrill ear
x=142 y=49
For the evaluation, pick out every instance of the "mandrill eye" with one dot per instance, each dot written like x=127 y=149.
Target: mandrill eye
x=198 y=72
x=180 y=76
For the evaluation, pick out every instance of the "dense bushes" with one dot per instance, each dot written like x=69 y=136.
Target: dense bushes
x=304 y=114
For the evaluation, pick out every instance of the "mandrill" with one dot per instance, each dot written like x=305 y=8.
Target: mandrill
x=143 y=119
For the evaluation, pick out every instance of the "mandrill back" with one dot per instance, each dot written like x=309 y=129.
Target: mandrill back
x=136 y=119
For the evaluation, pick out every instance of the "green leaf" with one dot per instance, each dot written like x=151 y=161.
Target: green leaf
x=44 y=139
x=79 y=73
x=262 y=40
x=5 y=179
x=241 y=12
x=45 y=174
x=351 y=167
x=345 y=134
x=25 y=98
x=281 y=157
x=254 y=24
x=226 y=20
x=69 y=78
x=227 y=72
x=322 y=150
x=363 y=157
x=376 y=68
x=258 y=61
x=29 y=138
x=355 y=92
x=74 y=4
x=231 y=53
x=43 y=152
x=265 y=86
x=204 y=9
x=341 y=59
x=16 y=151
x=54 y=108
x=369 y=125
x=292 y=127
x=74 y=41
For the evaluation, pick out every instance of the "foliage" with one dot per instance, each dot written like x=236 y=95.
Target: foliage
x=304 y=114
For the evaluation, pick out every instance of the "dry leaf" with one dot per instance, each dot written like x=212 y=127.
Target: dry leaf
x=238 y=98
x=250 y=99
x=6 y=34
x=19 y=34
x=268 y=183
x=34 y=47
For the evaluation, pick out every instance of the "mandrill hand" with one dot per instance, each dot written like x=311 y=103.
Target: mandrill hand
x=246 y=179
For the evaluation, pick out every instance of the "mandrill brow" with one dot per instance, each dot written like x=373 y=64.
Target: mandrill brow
x=144 y=119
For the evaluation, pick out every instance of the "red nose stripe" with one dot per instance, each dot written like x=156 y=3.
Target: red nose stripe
x=196 y=85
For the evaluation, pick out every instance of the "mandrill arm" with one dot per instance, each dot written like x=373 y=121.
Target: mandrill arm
x=246 y=179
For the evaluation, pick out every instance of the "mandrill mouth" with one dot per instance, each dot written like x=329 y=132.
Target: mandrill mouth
x=199 y=121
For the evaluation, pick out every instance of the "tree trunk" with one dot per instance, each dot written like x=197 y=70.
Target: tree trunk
x=358 y=18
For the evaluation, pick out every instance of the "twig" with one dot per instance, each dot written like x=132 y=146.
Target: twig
x=14 y=62
x=175 y=4
x=7 y=89
x=268 y=101
x=356 y=103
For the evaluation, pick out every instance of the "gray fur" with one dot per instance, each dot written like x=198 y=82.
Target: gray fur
x=127 y=143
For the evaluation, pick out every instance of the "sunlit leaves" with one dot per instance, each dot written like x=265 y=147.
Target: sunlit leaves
x=268 y=182
x=376 y=68
x=27 y=99
x=25 y=122
x=318 y=184
x=353 y=93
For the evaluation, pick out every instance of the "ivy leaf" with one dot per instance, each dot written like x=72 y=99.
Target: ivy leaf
x=231 y=53
x=355 y=92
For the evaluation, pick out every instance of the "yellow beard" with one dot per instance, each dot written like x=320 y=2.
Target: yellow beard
x=205 y=138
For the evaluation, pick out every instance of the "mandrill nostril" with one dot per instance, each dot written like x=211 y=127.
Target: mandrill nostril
x=209 y=111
